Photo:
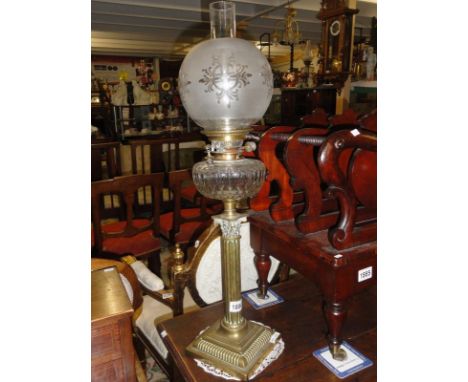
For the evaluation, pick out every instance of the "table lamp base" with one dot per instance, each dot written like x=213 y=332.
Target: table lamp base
x=236 y=352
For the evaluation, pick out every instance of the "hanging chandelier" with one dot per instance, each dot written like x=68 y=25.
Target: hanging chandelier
x=287 y=30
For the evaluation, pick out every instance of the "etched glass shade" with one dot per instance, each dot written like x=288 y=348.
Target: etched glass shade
x=225 y=83
x=233 y=180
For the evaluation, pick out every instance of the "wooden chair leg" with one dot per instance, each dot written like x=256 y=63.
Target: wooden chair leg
x=263 y=265
x=335 y=315
x=154 y=263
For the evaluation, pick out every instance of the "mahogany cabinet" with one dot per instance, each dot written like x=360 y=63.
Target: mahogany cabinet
x=295 y=102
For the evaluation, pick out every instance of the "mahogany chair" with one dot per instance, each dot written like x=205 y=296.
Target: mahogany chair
x=137 y=236
x=106 y=164
x=105 y=160
x=333 y=242
x=183 y=225
x=148 y=156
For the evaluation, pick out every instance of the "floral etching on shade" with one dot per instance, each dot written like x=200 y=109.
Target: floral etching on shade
x=225 y=79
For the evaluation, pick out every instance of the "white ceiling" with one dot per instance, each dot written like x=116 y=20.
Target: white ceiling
x=168 y=28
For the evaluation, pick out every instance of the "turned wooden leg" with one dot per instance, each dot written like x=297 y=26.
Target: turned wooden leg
x=335 y=315
x=263 y=264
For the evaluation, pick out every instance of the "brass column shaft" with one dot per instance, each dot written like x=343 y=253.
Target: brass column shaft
x=230 y=263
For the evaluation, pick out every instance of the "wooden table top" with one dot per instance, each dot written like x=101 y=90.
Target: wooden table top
x=108 y=295
x=300 y=321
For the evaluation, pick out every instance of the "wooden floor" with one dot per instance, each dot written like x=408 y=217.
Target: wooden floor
x=302 y=326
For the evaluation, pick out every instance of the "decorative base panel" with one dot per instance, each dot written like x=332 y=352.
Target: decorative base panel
x=238 y=353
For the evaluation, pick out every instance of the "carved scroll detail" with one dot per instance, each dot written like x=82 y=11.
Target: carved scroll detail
x=340 y=184
x=280 y=210
x=300 y=163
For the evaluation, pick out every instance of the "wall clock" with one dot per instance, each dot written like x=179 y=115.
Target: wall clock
x=337 y=27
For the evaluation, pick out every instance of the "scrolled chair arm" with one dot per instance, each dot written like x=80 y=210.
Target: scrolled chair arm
x=148 y=280
x=153 y=286
x=339 y=184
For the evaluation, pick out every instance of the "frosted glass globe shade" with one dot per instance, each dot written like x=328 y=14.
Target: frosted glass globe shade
x=225 y=84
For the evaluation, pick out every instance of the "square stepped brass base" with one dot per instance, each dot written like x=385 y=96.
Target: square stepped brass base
x=237 y=353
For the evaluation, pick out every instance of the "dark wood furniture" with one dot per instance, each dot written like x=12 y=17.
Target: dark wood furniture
x=301 y=324
x=148 y=156
x=101 y=117
x=106 y=164
x=286 y=159
x=182 y=225
x=333 y=240
x=277 y=178
x=136 y=236
x=272 y=150
x=155 y=147
x=112 y=352
x=105 y=160
x=141 y=295
x=296 y=103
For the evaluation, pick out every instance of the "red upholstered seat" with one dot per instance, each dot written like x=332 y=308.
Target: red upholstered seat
x=187 y=229
x=138 y=237
x=141 y=244
x=189 y=193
